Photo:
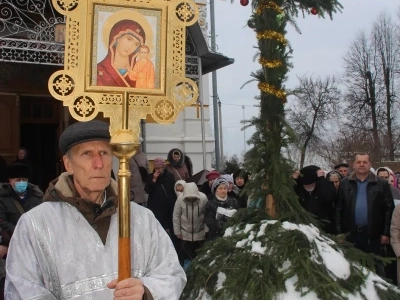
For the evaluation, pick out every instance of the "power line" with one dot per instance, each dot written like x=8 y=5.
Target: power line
x=241 y=105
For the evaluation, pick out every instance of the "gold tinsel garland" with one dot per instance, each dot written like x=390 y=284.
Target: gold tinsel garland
x=264 y=5
x=270 y=34
x=275 y=63
x=267 y=88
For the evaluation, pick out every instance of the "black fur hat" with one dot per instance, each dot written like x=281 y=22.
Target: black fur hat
x=309 y=174
x=18 y=170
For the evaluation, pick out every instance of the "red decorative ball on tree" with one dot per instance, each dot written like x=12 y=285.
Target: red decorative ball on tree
x=244 y=2
x=314 y=11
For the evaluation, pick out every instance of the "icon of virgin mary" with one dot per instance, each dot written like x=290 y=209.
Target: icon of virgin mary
x=125 y=39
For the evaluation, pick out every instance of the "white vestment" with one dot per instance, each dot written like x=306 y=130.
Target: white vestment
x=56 y=254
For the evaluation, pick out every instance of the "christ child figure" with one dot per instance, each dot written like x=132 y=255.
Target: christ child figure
x=143 y=70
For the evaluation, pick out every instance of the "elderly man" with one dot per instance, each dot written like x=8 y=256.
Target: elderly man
x=68 y=246
x=364 y=208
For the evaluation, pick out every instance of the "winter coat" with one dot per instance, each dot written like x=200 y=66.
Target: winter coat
x=380 y=206
x=181 y=169
x=395 y=237
x=188 y=217
x=161 y=197
x=9 y=212
x=137 y=164
x=241 y=198
x=395 y=231
x=320 y=202
x=206 y=189
x=215 y=226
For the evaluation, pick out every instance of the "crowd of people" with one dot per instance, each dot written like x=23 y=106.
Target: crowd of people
x=171 y=217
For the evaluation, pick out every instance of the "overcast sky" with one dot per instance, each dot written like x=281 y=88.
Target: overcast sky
x=319 y=50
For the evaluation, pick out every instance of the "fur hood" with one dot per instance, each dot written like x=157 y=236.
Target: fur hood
x=33 y=190
x=62 y=188
x=182 y=160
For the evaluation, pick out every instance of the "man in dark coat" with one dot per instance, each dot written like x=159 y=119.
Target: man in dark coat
x=317 y=195
x=16 y=197
x=160 y=187
x=364 y=208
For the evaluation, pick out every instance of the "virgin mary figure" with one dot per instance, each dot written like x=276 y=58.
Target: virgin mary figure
x=125 y=38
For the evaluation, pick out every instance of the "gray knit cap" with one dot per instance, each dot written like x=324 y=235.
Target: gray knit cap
x=81 y=132
x=217 y=182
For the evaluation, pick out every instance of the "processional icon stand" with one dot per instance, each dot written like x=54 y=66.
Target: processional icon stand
x=126 y=59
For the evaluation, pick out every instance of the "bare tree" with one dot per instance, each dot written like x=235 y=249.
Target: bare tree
x=316 y=102
x=361 y=78
x=384 y=37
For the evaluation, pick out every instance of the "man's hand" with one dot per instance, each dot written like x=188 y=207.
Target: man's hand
x=296 y=174
x=127 y=289
x=179 y=236
x=3 y=250
x=320 y=173
x=385 y=240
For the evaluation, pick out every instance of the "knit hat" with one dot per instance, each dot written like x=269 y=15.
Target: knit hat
x=217 y=182
x=227 y=177
x=212 y=175
x=329 y=174
x=309 y=175
x=81 y=132
x=159 y=162
x=18 y=170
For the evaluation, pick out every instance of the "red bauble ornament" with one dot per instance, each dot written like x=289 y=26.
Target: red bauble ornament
x=244 y=2
x=314 y=11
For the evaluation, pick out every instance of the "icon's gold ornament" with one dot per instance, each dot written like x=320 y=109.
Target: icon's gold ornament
x=126 y=59
x=76 y=84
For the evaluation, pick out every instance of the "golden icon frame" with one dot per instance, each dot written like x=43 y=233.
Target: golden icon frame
x=74 y=84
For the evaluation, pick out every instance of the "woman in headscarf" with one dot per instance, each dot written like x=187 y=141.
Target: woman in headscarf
x=126 y=36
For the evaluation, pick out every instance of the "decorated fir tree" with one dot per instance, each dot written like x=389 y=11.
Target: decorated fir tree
x=276 y=251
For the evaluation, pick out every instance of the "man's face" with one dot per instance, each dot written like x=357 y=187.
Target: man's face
x=383 y=174
x=343 y=171
x=90 y=163
x=309 y=187
x=362 y=165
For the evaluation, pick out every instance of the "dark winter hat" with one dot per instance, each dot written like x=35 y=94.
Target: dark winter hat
x=81 y=132
x=212 y=175
x=309 y=174
x=240 y=173
x=341 y=165
x=18 y=170
x=217 y=182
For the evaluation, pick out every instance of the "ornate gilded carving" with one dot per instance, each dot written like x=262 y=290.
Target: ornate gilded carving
x=125 y=48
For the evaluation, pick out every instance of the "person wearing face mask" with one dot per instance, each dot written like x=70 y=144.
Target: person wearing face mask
x=188 y=221
x=316 y=194
x=179 y=187
x=16 y=197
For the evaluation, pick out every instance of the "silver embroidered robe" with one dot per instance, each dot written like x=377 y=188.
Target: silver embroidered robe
x=56 y=254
